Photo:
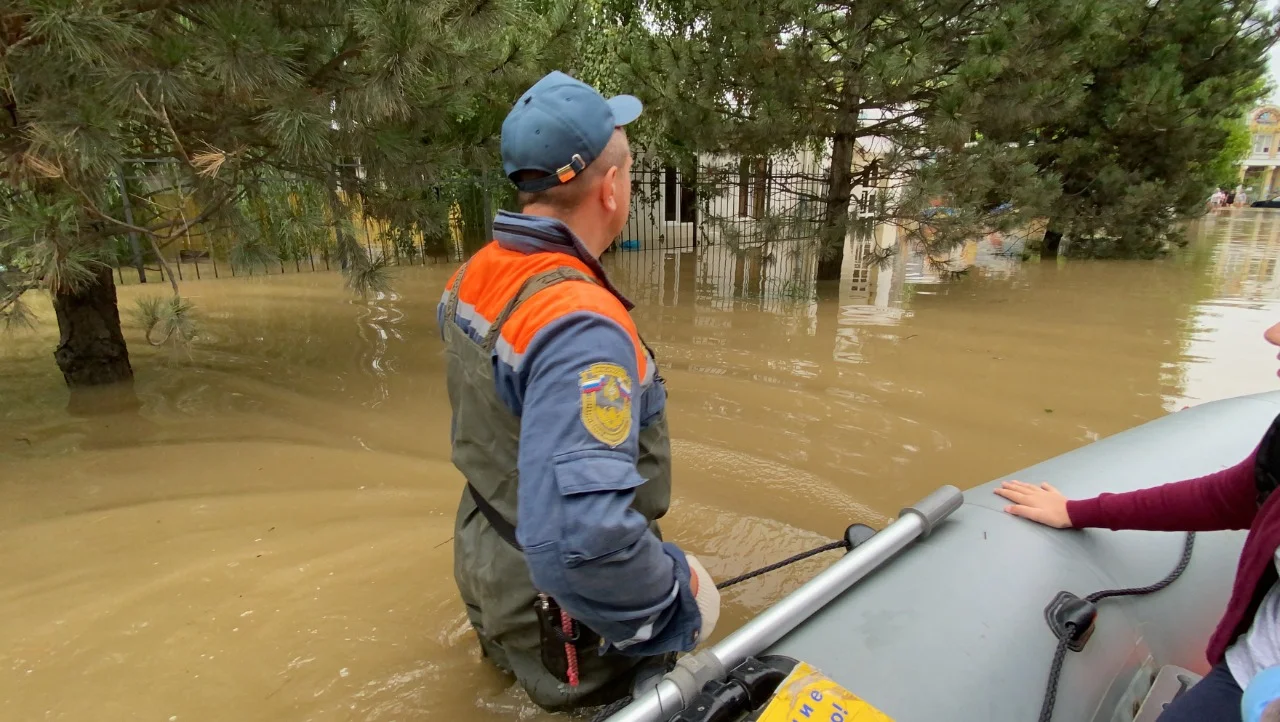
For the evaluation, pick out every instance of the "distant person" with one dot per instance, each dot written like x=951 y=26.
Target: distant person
x=559 y=424
x=1242 y=198
x=1241 y=497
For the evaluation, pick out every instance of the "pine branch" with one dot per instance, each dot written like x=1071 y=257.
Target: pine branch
x=164 y=118
x=168 y=271
x=352 y=48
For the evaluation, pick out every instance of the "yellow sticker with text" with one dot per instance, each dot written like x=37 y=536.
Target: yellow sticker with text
x=808 y=695
x=606 y=402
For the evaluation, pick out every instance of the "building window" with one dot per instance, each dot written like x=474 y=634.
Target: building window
x=1262 y=142
x=753 y=179
x=680 y=201
x=669 y=196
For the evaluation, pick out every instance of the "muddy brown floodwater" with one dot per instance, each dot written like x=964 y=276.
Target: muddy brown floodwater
x=266 y=536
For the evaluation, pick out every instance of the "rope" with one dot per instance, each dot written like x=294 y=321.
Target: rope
x=1060 y=653
x=842 y=544
x=617 y=706
x=570 y=651
x=611 y=709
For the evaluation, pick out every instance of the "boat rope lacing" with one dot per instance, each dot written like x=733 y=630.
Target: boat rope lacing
x=1073 y=632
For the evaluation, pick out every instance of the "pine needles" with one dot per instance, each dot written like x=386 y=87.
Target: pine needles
x=370 y=278
x=14 y=314
x=166 y=320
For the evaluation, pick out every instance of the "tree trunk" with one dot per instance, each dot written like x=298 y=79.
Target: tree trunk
x=345 y=244
x=91 y=349
x=836 y=217
x=1050 y=245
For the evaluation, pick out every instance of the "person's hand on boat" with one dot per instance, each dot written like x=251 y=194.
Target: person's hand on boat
x=1043 y=503
x=705 y=595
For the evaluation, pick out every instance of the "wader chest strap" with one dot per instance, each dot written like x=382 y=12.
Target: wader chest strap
x=532 y=285
x=451 y=306
x=505 y=529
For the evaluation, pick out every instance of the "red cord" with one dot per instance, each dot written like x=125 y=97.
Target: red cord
x=570 y=651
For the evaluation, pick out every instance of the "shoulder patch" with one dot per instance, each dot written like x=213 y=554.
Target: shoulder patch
x=605 y=389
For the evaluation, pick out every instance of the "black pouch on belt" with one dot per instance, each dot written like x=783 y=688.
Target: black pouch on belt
x=553 y=638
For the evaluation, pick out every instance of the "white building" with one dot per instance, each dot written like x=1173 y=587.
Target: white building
x=751 y=200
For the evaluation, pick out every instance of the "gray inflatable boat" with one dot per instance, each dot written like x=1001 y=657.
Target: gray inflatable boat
x=942 y=615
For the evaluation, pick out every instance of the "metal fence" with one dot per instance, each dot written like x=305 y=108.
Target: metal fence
x=740 y=203
x=291 y=226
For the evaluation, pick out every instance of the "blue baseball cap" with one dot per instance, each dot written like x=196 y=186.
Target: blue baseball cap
x=558 y=127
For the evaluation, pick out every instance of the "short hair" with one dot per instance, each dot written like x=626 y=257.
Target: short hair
x=568 y=195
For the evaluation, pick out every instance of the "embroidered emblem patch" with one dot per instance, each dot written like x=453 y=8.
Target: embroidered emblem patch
x=606 y=402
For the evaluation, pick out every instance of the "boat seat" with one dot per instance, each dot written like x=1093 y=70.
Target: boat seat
x=1170 y=682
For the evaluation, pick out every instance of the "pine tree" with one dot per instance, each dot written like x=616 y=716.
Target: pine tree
x=272 y=117
x=1169 y=83
x=771 y=76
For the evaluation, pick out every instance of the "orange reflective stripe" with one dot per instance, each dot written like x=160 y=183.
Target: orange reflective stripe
x=495 y=274
x=561 y=300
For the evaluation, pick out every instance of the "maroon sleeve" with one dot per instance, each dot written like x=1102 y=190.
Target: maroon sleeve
x=1225 y=499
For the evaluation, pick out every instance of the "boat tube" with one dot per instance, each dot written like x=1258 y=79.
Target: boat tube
x=942 y=614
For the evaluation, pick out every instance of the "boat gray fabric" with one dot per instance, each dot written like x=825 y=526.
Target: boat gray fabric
x=955 y=629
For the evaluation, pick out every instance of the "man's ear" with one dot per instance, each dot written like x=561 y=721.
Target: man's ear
x=609 y=189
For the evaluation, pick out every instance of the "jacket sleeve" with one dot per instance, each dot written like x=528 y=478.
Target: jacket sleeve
x=579 y=396
x=1225 y=499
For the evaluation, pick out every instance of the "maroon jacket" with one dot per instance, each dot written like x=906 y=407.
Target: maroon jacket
x=1227 y=499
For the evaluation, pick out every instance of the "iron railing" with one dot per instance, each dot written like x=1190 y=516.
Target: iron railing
x=290 y=226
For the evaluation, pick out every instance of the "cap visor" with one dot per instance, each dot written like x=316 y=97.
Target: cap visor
x=626 y=108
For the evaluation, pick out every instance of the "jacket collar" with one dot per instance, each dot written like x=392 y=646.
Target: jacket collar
x=540 y=234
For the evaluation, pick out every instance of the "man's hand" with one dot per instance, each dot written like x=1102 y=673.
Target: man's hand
x=1043 y=504
x=705 y=594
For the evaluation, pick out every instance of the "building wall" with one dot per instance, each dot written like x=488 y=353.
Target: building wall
x=1257 y=174
x=663 y=214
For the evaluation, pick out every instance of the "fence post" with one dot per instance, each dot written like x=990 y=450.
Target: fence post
x=696 y=215
x=488 y=212
x=128 y=218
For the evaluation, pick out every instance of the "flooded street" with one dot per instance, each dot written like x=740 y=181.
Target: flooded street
x=265 y=536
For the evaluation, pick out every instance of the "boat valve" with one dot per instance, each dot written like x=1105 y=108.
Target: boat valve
x=1071 y=618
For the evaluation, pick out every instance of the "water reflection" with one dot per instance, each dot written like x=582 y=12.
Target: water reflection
x=377 y=323
x=1225 y=329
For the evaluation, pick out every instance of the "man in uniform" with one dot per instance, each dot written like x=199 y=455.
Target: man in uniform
x=559 y=423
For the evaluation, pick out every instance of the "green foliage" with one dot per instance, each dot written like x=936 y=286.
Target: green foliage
x=920 y=85
x=1113 y=118
x=370 y=278
x=166 y=320
x=258 y=115
x=44 y=241
x=1224 y=170
x=14 y=314
x=1168 y=85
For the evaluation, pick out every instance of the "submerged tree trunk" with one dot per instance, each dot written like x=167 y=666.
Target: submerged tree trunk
x=91 y=349
x=1050 y=245
x=836 y=218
